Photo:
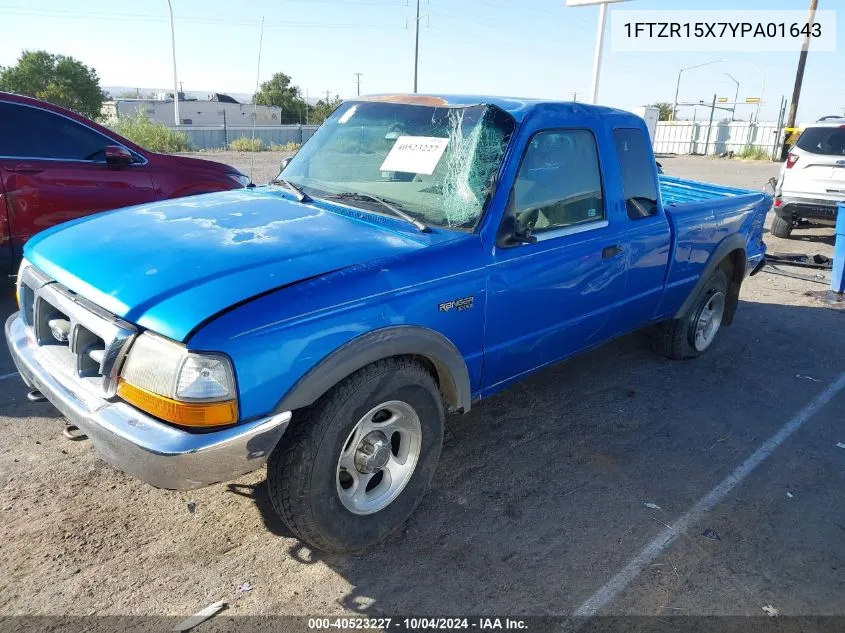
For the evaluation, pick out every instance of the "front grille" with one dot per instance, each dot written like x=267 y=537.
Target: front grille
x=75 y=336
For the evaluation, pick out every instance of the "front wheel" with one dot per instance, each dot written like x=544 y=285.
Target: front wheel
x=352 y=467
x=694 y=333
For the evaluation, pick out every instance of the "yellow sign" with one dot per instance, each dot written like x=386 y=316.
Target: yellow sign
x=752 y=99
x=723 y=99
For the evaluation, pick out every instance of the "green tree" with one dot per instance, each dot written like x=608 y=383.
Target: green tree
x=665 y=110
x=58 y=79
x=322 y=109
x=279 y=92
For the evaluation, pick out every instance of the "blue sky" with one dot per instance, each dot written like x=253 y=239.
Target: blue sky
x=533 y=48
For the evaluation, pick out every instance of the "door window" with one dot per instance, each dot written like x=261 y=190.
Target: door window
x=637 y=168
x=559 y=182
x=27 y=132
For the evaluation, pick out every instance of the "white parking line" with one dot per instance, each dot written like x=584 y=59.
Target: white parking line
x=4 y=376
x=620 y=581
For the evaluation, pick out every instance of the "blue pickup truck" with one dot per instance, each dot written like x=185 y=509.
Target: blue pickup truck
x=418 y=254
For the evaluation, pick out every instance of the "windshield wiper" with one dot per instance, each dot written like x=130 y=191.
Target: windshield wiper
x=351 y=195
x=300 y=194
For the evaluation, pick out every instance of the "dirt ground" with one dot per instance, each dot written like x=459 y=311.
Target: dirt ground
x=260 y=166
x=538 y=502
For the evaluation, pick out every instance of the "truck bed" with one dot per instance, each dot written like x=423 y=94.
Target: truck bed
x=701 y=216
x=676 y=191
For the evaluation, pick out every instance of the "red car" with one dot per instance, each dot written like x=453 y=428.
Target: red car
x=56 y=165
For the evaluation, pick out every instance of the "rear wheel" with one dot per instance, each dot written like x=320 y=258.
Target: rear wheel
x=694 y=333
x=352 y=467
x=781 y=228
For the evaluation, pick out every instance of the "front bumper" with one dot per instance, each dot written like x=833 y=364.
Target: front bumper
x=142 y=446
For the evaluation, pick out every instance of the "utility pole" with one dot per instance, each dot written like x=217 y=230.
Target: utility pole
x=358 y=76
x=417 y=47
x=594 y=90
x=175 y=83
x=802 y=63
x=327 y=97
x=710 y=125
x=575 y=96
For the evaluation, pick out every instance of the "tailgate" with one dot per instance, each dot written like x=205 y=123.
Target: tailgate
x=816 y=176
x=818 y=164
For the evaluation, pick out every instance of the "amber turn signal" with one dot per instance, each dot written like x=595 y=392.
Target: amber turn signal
x=181 y=413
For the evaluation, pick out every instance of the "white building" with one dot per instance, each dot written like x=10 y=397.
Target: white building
x=221 y=110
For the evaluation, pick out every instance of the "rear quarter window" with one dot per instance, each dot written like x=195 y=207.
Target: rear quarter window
x=829 y=141
x=638 y=172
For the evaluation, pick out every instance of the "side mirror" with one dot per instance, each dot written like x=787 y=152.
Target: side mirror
x=117 y=155
x=285 y=162
x=771 y=186
x=512 y=231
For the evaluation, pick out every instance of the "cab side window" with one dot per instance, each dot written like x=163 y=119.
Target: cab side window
x=637 y=168
x=559 y=182
x=27 y=132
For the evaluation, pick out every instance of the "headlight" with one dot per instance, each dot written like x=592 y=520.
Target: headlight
x=242 y=180
x=164 y=379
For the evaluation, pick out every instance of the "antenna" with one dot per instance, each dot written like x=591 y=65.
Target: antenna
x=255 y=101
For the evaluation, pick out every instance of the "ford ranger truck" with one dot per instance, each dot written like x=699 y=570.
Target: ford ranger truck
x=418 y=254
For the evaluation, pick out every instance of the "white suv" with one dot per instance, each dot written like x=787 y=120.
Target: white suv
x=812 y=180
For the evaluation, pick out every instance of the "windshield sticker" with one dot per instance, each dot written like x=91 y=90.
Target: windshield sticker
x=415 y=154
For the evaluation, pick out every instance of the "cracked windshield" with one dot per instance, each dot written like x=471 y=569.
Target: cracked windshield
x=434 y=163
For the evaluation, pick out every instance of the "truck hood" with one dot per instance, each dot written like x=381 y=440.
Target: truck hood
x=169 y=266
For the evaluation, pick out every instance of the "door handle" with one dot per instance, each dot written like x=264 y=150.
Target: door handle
x=609 y=252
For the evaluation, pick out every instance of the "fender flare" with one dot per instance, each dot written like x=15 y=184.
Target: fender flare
x=403 y=340
x=732 y=244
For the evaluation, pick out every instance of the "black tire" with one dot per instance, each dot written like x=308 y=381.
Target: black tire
x=302 y=472
x=781 y=228
x=675 y=339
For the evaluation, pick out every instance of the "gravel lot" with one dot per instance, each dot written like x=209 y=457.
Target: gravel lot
x=263 y=166
x=539 y=500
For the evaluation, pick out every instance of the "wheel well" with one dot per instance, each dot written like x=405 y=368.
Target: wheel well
x=734 y=266
x=444 y=381
x=431 y=350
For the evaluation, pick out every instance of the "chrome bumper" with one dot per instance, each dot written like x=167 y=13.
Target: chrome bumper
x=142 y=446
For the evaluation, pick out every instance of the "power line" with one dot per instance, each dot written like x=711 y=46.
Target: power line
x=134 y=17
x=536 y=12
x=474 y=17
x=460 y=36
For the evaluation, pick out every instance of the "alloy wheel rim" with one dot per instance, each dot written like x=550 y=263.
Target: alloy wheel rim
x=378 y=457
x=708 y=322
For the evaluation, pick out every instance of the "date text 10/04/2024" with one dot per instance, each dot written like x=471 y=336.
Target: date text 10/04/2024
x=415 y=624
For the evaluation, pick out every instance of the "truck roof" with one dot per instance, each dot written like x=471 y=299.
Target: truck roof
x=517 y=107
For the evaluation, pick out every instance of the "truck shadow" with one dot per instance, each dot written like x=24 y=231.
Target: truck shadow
x=539 y=496
x=801 y=235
